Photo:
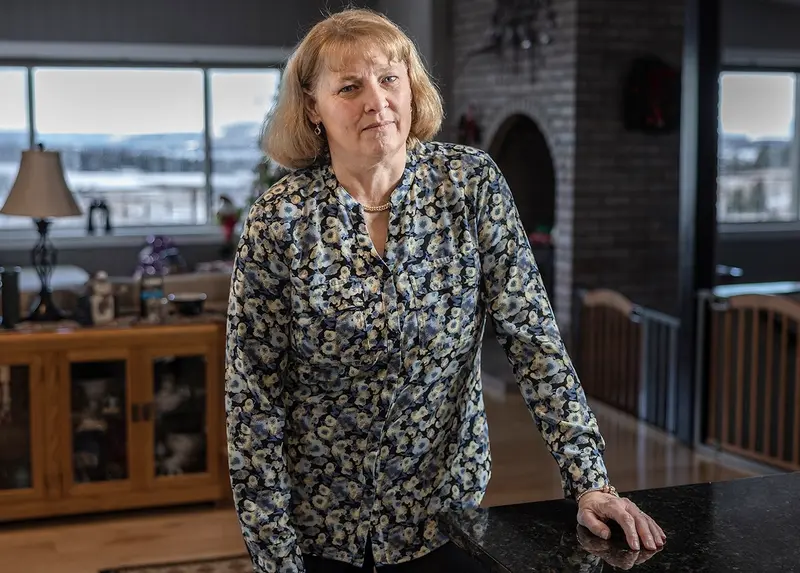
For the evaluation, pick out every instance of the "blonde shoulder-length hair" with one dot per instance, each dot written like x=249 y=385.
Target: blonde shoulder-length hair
x=289 y=137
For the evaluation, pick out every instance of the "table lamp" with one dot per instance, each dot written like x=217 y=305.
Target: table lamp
x=40 y=192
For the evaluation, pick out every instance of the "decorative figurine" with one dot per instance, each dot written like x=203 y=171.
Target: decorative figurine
x=228 y=216
x=101 y=300
x=151 y=294
x=100 y=206
x=160 y=256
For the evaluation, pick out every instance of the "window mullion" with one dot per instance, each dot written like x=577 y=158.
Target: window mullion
x=795 y=157
x=208 y=163
x=31 y=114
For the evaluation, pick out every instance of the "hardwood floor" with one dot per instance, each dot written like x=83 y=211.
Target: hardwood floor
x=637 y=458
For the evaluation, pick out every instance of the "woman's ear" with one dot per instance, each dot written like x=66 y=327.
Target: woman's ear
x=311 y=109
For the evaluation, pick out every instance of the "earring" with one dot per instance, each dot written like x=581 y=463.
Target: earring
x=318 y=130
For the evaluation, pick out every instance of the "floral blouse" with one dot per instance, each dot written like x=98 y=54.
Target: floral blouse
x=353 y=390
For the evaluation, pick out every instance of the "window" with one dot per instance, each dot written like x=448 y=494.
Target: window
x=758 y=177
x=130 y=137
x=14 y=128
x=158 y=144
x=238 y=100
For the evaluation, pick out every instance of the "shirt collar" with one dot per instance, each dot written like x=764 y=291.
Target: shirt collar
x=399 y=195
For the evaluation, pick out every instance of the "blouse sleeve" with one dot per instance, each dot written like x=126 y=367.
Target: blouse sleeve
x=256 y=353
x=526 y=328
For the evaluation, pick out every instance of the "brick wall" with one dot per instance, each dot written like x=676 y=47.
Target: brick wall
x=625 y=225
x=543 y=88
x=616 y=192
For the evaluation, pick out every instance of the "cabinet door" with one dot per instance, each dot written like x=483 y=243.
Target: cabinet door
x=22 y=465
x=96 y=394
x=185 y=409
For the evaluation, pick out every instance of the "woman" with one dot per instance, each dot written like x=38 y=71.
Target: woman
x=361 y=284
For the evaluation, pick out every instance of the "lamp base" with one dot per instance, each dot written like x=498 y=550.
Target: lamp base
x=44 y=257
x=44 y=309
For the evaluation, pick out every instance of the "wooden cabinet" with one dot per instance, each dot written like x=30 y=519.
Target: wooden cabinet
x=106 y=419
x=22 y=461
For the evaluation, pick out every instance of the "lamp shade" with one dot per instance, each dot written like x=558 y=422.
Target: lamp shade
x=40 y=191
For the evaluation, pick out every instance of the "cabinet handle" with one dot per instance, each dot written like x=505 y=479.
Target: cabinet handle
x=135 y=412
x=147 y=411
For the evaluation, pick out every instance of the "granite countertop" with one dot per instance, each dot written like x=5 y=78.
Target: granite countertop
x=749 y=525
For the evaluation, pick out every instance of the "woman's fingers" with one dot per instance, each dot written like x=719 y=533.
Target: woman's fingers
x=590 y=521
x=641 y=531
x=618 y=511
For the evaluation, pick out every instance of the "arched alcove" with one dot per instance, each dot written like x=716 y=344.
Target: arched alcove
x=521 y=152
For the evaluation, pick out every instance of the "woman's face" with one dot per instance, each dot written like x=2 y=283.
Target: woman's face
x=364 y=105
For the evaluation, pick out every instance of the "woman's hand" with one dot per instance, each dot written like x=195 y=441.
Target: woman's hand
x=595 y=508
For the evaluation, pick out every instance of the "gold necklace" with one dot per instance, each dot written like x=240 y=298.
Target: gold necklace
x=378 y=208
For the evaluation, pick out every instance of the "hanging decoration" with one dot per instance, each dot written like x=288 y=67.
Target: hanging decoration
x=469 y=130
x=519 y=26
x=652 y=96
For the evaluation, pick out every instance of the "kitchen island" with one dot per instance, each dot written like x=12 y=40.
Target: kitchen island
x=749 y=525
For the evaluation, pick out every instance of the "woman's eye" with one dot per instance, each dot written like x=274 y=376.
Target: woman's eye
x=347 y=89
x=391 y=79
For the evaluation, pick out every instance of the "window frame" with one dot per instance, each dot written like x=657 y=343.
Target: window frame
x=770 y=229
x=30 y=55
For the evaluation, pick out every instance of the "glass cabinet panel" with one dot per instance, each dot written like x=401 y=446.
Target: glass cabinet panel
x=99 y=421
x=180 y=403
x=15 y=428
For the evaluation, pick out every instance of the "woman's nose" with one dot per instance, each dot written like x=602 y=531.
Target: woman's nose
x=374 y=98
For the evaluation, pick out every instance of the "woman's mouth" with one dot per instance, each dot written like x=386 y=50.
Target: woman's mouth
x=379 y=125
